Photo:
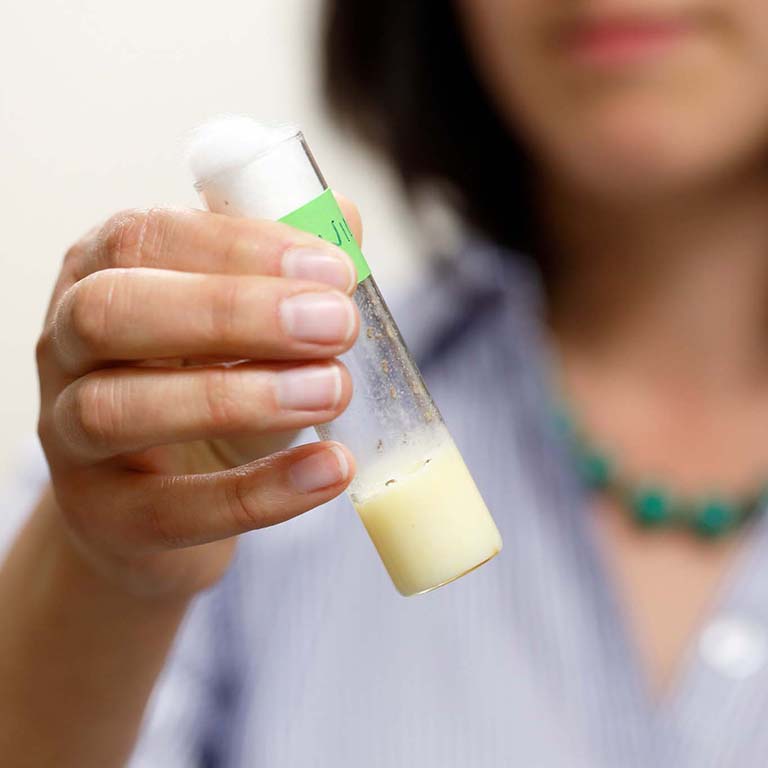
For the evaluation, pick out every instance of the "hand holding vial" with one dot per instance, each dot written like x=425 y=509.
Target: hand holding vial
x=162 y=447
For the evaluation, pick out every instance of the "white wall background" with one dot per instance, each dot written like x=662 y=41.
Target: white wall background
x=95 y=99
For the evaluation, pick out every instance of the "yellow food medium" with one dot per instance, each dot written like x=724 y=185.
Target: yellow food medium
x=429 y=523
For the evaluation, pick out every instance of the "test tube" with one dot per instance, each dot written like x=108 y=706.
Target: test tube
x=412 y=489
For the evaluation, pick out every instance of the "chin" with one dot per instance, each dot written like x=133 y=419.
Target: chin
x=632 y=156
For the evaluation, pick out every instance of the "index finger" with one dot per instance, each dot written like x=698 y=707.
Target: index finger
x=190 y=240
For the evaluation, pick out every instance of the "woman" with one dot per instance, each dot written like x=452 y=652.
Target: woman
x=620 y=146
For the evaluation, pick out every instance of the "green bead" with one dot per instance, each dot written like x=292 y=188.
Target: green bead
x=715 y=517
x=596 y=470
x=652 y=507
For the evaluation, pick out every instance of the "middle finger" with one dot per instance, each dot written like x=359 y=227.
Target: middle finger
x=138 y=314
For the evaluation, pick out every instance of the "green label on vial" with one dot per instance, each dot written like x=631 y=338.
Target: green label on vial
x=323 y=217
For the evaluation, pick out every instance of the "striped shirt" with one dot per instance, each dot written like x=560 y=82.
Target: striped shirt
x=304 y=656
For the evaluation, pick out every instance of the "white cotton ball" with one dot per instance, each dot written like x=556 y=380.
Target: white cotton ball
x=227 y=142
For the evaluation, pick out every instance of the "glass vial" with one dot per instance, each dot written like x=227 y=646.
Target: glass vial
x=412 y=489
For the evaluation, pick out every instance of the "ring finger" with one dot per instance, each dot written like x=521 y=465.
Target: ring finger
x=122 y=410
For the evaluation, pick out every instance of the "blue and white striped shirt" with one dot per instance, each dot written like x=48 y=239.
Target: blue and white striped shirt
x=306 y=657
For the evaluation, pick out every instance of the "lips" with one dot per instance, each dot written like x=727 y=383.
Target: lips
x=621 y=40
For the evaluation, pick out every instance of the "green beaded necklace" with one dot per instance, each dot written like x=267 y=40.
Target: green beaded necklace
x=652 y=505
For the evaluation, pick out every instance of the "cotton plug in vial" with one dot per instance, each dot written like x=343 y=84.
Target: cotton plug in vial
x=412 y=490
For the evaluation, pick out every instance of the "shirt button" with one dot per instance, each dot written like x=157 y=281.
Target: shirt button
x=737 y=648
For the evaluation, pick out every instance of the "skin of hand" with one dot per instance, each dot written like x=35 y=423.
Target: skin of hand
x=179 y=350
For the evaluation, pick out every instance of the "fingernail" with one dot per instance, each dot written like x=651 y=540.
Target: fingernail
x=319 y=470
x=319 y=266
x=322 y=318
x=309 y=388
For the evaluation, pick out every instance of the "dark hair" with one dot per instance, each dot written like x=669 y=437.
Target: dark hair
x=400 y=74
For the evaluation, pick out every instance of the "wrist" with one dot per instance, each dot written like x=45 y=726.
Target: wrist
x=66 y=564
x=71 y=638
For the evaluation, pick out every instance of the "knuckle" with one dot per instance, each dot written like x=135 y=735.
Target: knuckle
x=44 y=345
x=44 y=427
x=157 y=224
x=89 y=312
x=94 y=415
x=244 y=505
x=225 y=311
x=73 y=255
x=236 y=237
x=120 y=235
x=223 y=400
x=76 y=260
x=136 y=237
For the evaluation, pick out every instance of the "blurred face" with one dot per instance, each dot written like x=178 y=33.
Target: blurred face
x=628 y=97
